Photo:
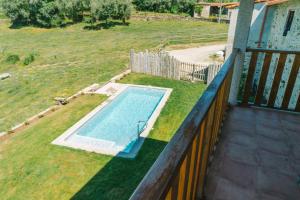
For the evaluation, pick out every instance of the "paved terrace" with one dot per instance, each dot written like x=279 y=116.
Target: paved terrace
x=258 y=157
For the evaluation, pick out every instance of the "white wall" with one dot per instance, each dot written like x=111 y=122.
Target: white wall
x=256 y=24
x=272 y=39
x=276 y=40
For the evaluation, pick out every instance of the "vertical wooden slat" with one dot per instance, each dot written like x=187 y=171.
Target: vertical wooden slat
x=221 y=111
x=187 y=173
x=200 y=148
x=175 y=188
x=263 y=78
x=169 y=195
x=182 y=179
x=277 y=79
x=191 y=171
x=195 y=165
x=205 y=152
x=291 y=82
x=215 y=123
x=297 y=109
x=249 y=80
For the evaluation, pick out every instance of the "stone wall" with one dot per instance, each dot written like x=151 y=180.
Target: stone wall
x=205 y=11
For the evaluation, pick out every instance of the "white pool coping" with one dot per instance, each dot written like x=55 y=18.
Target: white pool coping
x=69 y=139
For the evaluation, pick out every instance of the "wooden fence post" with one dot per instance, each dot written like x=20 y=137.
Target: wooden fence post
x=132 y=59
x=164 y=65
x=193 y=73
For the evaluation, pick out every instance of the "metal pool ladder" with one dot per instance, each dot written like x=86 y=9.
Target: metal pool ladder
x=138 y=127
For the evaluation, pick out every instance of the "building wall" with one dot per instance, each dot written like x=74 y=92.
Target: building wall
x=273 y=39
x=256 y=24
x=205 y=11
x=231 y=31
x=276 y=40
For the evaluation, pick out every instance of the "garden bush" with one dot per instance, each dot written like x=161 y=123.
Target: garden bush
x=29 y=59
x=12 y=59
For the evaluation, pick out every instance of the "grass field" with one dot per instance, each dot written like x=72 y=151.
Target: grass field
x=69 y=59
x=32 y=168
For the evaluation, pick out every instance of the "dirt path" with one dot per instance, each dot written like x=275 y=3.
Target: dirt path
x=197 y=55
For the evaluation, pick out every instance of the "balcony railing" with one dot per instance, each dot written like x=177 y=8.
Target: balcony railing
x=180 y=170
x=256 y=95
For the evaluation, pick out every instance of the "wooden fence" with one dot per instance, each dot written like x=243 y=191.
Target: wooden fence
x=180 y=170
x=164 y=65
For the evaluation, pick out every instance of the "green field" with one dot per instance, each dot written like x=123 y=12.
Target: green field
x=69 y=59
x=32 y=168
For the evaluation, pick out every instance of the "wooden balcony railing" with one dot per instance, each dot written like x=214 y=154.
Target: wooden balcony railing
x=255 y=95
x=180 y=170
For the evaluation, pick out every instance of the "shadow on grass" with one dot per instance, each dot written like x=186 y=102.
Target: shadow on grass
x=119 y=178
x=18 y=25
x=23 y=25
x=104 y=25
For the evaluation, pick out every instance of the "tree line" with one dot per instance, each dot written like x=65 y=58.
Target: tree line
x=53 y=13
x=169 y=6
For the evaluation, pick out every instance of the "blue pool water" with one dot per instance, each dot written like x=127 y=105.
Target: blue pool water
x=120 y=120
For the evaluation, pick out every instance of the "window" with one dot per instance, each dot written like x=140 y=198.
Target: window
x=289 y=22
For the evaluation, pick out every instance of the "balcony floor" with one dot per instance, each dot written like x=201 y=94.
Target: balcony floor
x=258 y=157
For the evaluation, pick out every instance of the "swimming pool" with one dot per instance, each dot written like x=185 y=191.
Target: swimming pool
x=119 y=125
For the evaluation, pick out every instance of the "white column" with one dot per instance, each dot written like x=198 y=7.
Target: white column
x=240 y=42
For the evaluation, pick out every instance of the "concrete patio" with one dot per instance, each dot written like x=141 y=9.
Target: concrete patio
x=258 y=157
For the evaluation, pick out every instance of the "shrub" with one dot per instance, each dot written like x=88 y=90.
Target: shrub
x=153 y=5
x=186 y=6
x=198 y=9
x=29 y=59
x=12 y=59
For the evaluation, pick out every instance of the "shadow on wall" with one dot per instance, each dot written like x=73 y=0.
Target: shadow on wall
x=120 y=177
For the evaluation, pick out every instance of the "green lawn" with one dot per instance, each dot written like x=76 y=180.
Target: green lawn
x=72 y=58
x=32 y=168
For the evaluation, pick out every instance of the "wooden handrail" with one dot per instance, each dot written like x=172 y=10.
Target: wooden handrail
x=272 y=51
x=182 y=164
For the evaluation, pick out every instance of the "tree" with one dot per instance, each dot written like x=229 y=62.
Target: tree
x=102 y=10
x=17 y=11
x=74 y=9
x=172 y=6
x=52 y=13
x=44 y=13
x=47 y=13
x=121 y=10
